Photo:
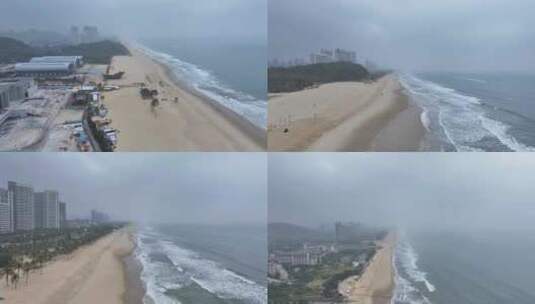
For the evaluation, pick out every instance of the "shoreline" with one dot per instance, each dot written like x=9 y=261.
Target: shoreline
x=192 y=123
x=346 y=116
x=255 y=132
x=377 y=284
x=135 y=289
x=93 y=273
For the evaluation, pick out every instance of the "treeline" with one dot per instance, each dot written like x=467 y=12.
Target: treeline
x=12 y=51
x=300 y=77
x=23 y=252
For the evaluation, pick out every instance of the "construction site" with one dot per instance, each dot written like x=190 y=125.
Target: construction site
x=53 y=103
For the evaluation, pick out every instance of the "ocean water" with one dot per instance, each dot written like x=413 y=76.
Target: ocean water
x=475 y=268
x=203 y=264
x=475 y=112
x=235 y=75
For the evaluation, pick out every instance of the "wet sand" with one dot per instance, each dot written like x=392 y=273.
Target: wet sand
x=194 y=123
x=345 y=116
x=135 y=288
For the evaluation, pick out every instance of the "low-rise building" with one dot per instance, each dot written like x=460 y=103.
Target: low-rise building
x=77 y=61
x=10 y=92
x=44 y=69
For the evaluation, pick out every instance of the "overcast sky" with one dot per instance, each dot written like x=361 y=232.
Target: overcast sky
x=175 y=187
x=410 y=34
x=244 y=20
x=440 y=190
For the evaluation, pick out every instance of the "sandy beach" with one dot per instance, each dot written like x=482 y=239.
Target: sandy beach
x=345 y=116
x=194 y=123
x=91 y=274
x=376 y=285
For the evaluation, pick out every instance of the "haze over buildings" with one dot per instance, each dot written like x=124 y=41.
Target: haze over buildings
x=206 y=188
x=239 y=20
x=461 y=35
x=432 y=191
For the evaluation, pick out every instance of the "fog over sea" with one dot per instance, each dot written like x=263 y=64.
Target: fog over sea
x=485 y=267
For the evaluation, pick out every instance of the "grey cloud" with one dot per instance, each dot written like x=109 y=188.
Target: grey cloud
x=410 y=34
x=163 y=187
x=453 y=191
x=243 y=20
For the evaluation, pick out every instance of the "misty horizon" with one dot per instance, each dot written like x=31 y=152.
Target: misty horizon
x=433 y=191
x=189 y=188
x=415 y=35
x=140 y=19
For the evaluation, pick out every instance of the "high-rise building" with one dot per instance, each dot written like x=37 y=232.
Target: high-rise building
x=344 y=56
x=75 y=35
x=6 y=211
x=348 y=232
x=90 y=34
x=47 y=210
x=23 y=205
x=98 y=217
x=62 y=215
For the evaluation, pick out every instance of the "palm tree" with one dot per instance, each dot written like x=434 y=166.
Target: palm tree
x=14 y=279
x=26 y=268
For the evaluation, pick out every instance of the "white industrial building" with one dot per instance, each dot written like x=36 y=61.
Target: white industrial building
x=36 y=69
x=77 y=61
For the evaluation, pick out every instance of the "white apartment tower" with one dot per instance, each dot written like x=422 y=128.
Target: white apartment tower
x=47 y=210
x=6 y=211
x=23 y=206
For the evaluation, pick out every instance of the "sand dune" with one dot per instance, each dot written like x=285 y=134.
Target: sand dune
x=91 y=274
x=193 y=123
x=346 y=116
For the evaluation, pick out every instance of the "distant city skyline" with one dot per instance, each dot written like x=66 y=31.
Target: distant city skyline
x=459 y=35
x=210 y=188
x=22 y=208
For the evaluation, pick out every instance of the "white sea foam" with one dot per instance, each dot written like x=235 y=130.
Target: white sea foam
x=458 y=119
x=474 y=80
x=155 y=276
x=405 y=291
x=207 y=84
x=189 y=266
x=426 y=122
x=214 y=277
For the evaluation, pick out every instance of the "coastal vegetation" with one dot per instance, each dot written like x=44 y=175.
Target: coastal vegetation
x=23 y=253
x=297 y=78
x=349 y=254
x=12 y=51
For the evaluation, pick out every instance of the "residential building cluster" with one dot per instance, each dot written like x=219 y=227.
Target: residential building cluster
x=86 y=34
x=322 y=56
x=22 y=209
x=309 y=255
